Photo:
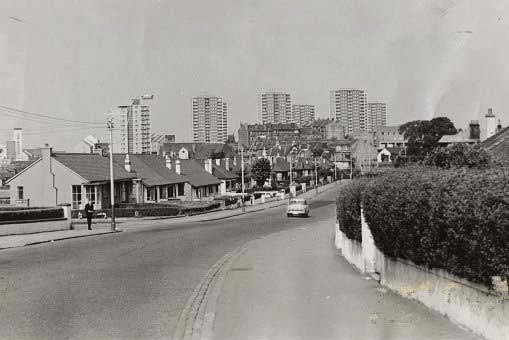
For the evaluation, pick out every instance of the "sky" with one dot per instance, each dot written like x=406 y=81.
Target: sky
x=77 y=59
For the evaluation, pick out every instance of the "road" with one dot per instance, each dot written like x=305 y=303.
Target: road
x=130 y=285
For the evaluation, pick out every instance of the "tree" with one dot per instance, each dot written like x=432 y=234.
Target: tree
x=261 y=171
x=458 y=155
x=317 y=151
x=423 y=135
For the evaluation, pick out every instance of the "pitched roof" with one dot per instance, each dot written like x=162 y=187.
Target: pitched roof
x=92 y=167
x=199 y=150
x=281 y=165
x=461 y=137
x=222 y=173
x=304 y=165
x=196 y=174
x=151 y=169
x=498 y=144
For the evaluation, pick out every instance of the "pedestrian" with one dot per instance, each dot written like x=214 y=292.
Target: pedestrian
x=89 y=211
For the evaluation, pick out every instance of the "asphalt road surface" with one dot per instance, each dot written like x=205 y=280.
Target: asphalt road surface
x=130 y=285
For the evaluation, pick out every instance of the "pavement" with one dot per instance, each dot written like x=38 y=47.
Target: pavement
x=295 y=285
x=103 y=226
x=12 y=241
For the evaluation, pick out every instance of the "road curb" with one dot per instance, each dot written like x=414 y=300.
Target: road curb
x=60 y=239
x=197 y=318
x=196 y=321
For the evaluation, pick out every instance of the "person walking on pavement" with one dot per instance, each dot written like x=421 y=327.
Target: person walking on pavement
x=89 y=211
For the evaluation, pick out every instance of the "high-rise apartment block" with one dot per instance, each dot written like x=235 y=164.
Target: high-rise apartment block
x=134 y=128
x=303 y=114
x=349 y=107
x=377 y=113
x=275 y=107
x=210 y=119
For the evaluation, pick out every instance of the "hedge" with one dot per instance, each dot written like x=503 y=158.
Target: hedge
x=228 y=200
x=455 y=220
x=348 y=209
x=31 y=214
x=146 y=210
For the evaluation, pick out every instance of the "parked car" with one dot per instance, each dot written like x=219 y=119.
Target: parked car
x=297 y=207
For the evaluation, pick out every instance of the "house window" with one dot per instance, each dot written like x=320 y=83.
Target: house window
x=171 y=191
x=181 y=189
x=76 y=196
x=90 y=194
x=163 y=193
x=151 y=194
x=20 y=193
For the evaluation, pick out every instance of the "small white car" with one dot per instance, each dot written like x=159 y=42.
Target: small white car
x=297 y=207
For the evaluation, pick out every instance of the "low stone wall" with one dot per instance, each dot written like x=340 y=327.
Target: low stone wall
x=484 y=311
x=34 y=227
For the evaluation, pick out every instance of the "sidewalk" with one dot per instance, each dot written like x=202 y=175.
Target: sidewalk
x=13 y=241
x=294 y=285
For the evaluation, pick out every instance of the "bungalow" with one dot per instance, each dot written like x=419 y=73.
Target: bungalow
x=202 y=183
x=157 y=180
x=57 y=178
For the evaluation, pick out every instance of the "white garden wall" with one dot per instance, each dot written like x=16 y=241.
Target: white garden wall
x=350 y=249
x=484 y=311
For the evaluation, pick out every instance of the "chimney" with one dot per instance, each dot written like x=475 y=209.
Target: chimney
x=208 y=165
x=474 y=130
x=168 y=161
x=127 y=163
x=46 y=153
x=177 y=166
x=491 y=124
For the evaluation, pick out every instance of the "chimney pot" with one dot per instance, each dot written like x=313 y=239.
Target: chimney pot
x=127 y=163
x=177 y=166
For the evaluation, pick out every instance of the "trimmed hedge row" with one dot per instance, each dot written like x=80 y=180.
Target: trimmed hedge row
x=31 y=214
x=14 y=208
x=228 y=200
x=454 y=220
x=145 y=211
x=348 y=209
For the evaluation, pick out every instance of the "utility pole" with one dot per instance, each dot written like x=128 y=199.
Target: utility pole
x=316 y=176
x=335 y=170
x=112 y=186
x=242 y=166
x=351 y=166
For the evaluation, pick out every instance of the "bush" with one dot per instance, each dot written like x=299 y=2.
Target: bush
x=455 y=220
x=31 y=214
x=228 y=200
x=458 y=156
x=193 y=210
x=148 y=210
x=348 y=209
x=304 y=179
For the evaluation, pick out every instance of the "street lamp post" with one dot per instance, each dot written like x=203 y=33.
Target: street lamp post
x=112 y=186
x=316 y=176
x=242 y=166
